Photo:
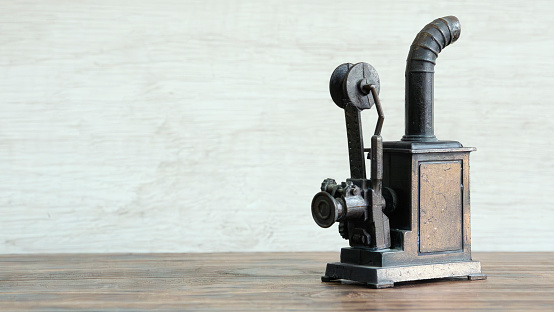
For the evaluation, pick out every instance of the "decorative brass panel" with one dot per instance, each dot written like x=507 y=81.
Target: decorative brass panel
x=440 y=206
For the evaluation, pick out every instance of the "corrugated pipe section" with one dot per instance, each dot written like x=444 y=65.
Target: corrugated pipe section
x=420 y=69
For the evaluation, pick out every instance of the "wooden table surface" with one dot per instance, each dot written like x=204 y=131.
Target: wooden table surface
x=257 y=281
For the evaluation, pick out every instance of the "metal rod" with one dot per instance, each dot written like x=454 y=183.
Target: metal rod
x=380 y=113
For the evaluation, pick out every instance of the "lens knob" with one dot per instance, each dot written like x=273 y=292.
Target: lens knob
x=325 y=209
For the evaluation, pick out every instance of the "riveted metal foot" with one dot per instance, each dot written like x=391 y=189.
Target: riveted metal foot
x=382 y=284
x=476 y=277
x=328 y=279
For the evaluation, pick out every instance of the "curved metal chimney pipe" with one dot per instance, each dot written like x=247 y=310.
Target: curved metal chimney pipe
x=420 y=66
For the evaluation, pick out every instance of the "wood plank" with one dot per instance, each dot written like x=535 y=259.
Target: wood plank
x=257 y=281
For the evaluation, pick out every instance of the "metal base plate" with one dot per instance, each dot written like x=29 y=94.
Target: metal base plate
x=384 y=277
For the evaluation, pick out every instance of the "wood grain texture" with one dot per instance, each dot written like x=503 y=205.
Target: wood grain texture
x=258 y=282
x=189 y=126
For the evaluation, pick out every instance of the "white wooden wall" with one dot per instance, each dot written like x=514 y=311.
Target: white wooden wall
x=201 y=126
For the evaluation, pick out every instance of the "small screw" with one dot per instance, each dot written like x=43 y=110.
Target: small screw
x=365 y=86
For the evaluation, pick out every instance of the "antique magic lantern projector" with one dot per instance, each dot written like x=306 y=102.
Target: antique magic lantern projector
x=411 y=219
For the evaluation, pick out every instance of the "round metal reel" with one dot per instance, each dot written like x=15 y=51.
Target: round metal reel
x=336 y=84
x=358 y=75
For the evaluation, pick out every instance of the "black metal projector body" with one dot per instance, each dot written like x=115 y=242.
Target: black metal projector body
x=411 y=220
